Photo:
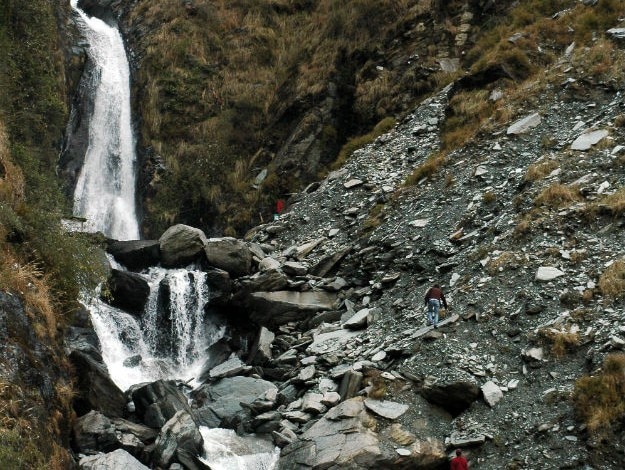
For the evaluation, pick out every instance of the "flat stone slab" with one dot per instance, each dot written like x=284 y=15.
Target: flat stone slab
x=333 y=341
x=548 y=273
x=386 y=409
x=423 y=331
x=492 y=393
x=230 y=368
x=352 y=183
x=588 y=139
x=524 y=125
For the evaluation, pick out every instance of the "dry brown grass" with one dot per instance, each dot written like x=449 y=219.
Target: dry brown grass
x=557 y=196
x=612 y=204
x=562 y=341
x=599 y=400
x=427 y=169
x=612 y=281
x=504 y=261
x=539 y=170
x=33 y=286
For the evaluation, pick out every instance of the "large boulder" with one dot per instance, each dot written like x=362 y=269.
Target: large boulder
x=179 y=439
x=345 y=438
x=157 y=402
x=216 y=354
x=454 y=391
x=112 y=461
x=135 y=254
x=128 y=291
x=85 y=340
x=220 y=404
x=94 y=432
x=96 y=390
x=180 y=245
x=279 y=307
x=229 y=254
x=260 y=353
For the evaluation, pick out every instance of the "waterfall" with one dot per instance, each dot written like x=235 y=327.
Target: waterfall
x=170 y=338
x=168 y=341
x=105 y=190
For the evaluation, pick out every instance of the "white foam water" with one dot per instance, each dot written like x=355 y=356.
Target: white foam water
x=225 y=450
x=105 y=190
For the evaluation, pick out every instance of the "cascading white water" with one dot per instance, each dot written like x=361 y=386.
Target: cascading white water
x=105 y=190
x=169 y=340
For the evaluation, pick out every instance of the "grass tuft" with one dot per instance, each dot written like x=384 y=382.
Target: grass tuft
x=599 y=400
x=612 y=281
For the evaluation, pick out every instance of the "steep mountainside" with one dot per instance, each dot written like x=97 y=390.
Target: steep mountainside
x=241 y=103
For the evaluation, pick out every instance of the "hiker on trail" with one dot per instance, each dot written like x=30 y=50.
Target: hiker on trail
x=433 y=299
x=459 y=462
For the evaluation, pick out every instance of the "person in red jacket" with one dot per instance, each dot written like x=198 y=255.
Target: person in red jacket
x=459 y=462
x=433 y=299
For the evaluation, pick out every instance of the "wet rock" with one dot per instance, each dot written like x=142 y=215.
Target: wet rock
x=94 y=432
x=135 y=254
x=229 y=254
x=230 y=368
x=180 y=245
x=179 y=438
x=216 y=354
x=157 y=402
x=96 y=389
x=260 y=353
x=220 y=403
x=126 y=290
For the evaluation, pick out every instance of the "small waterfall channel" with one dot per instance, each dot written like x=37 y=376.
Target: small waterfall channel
x=169 y=340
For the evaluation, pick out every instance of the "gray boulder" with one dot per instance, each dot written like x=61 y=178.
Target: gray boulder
x=229 y=254
x=221 y=403
x=135 y=254
x=277 y=308
x=181 y=245
x=455 y=392
x=260 y=353
x=179 y=439
x=96 y=389
x=94 y=432
x=112 y=461
x=344 y=438
x=216 y=354
x=126 y=290
x=157 y=402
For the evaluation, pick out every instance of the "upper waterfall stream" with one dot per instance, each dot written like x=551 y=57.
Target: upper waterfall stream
x=105 y=190
x=170 y=338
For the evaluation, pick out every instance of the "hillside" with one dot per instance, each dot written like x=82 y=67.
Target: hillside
x=476 y=144
x=238 y=88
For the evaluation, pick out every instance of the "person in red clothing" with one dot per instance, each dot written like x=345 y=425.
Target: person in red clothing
x=459 y=462
x=433 y=299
